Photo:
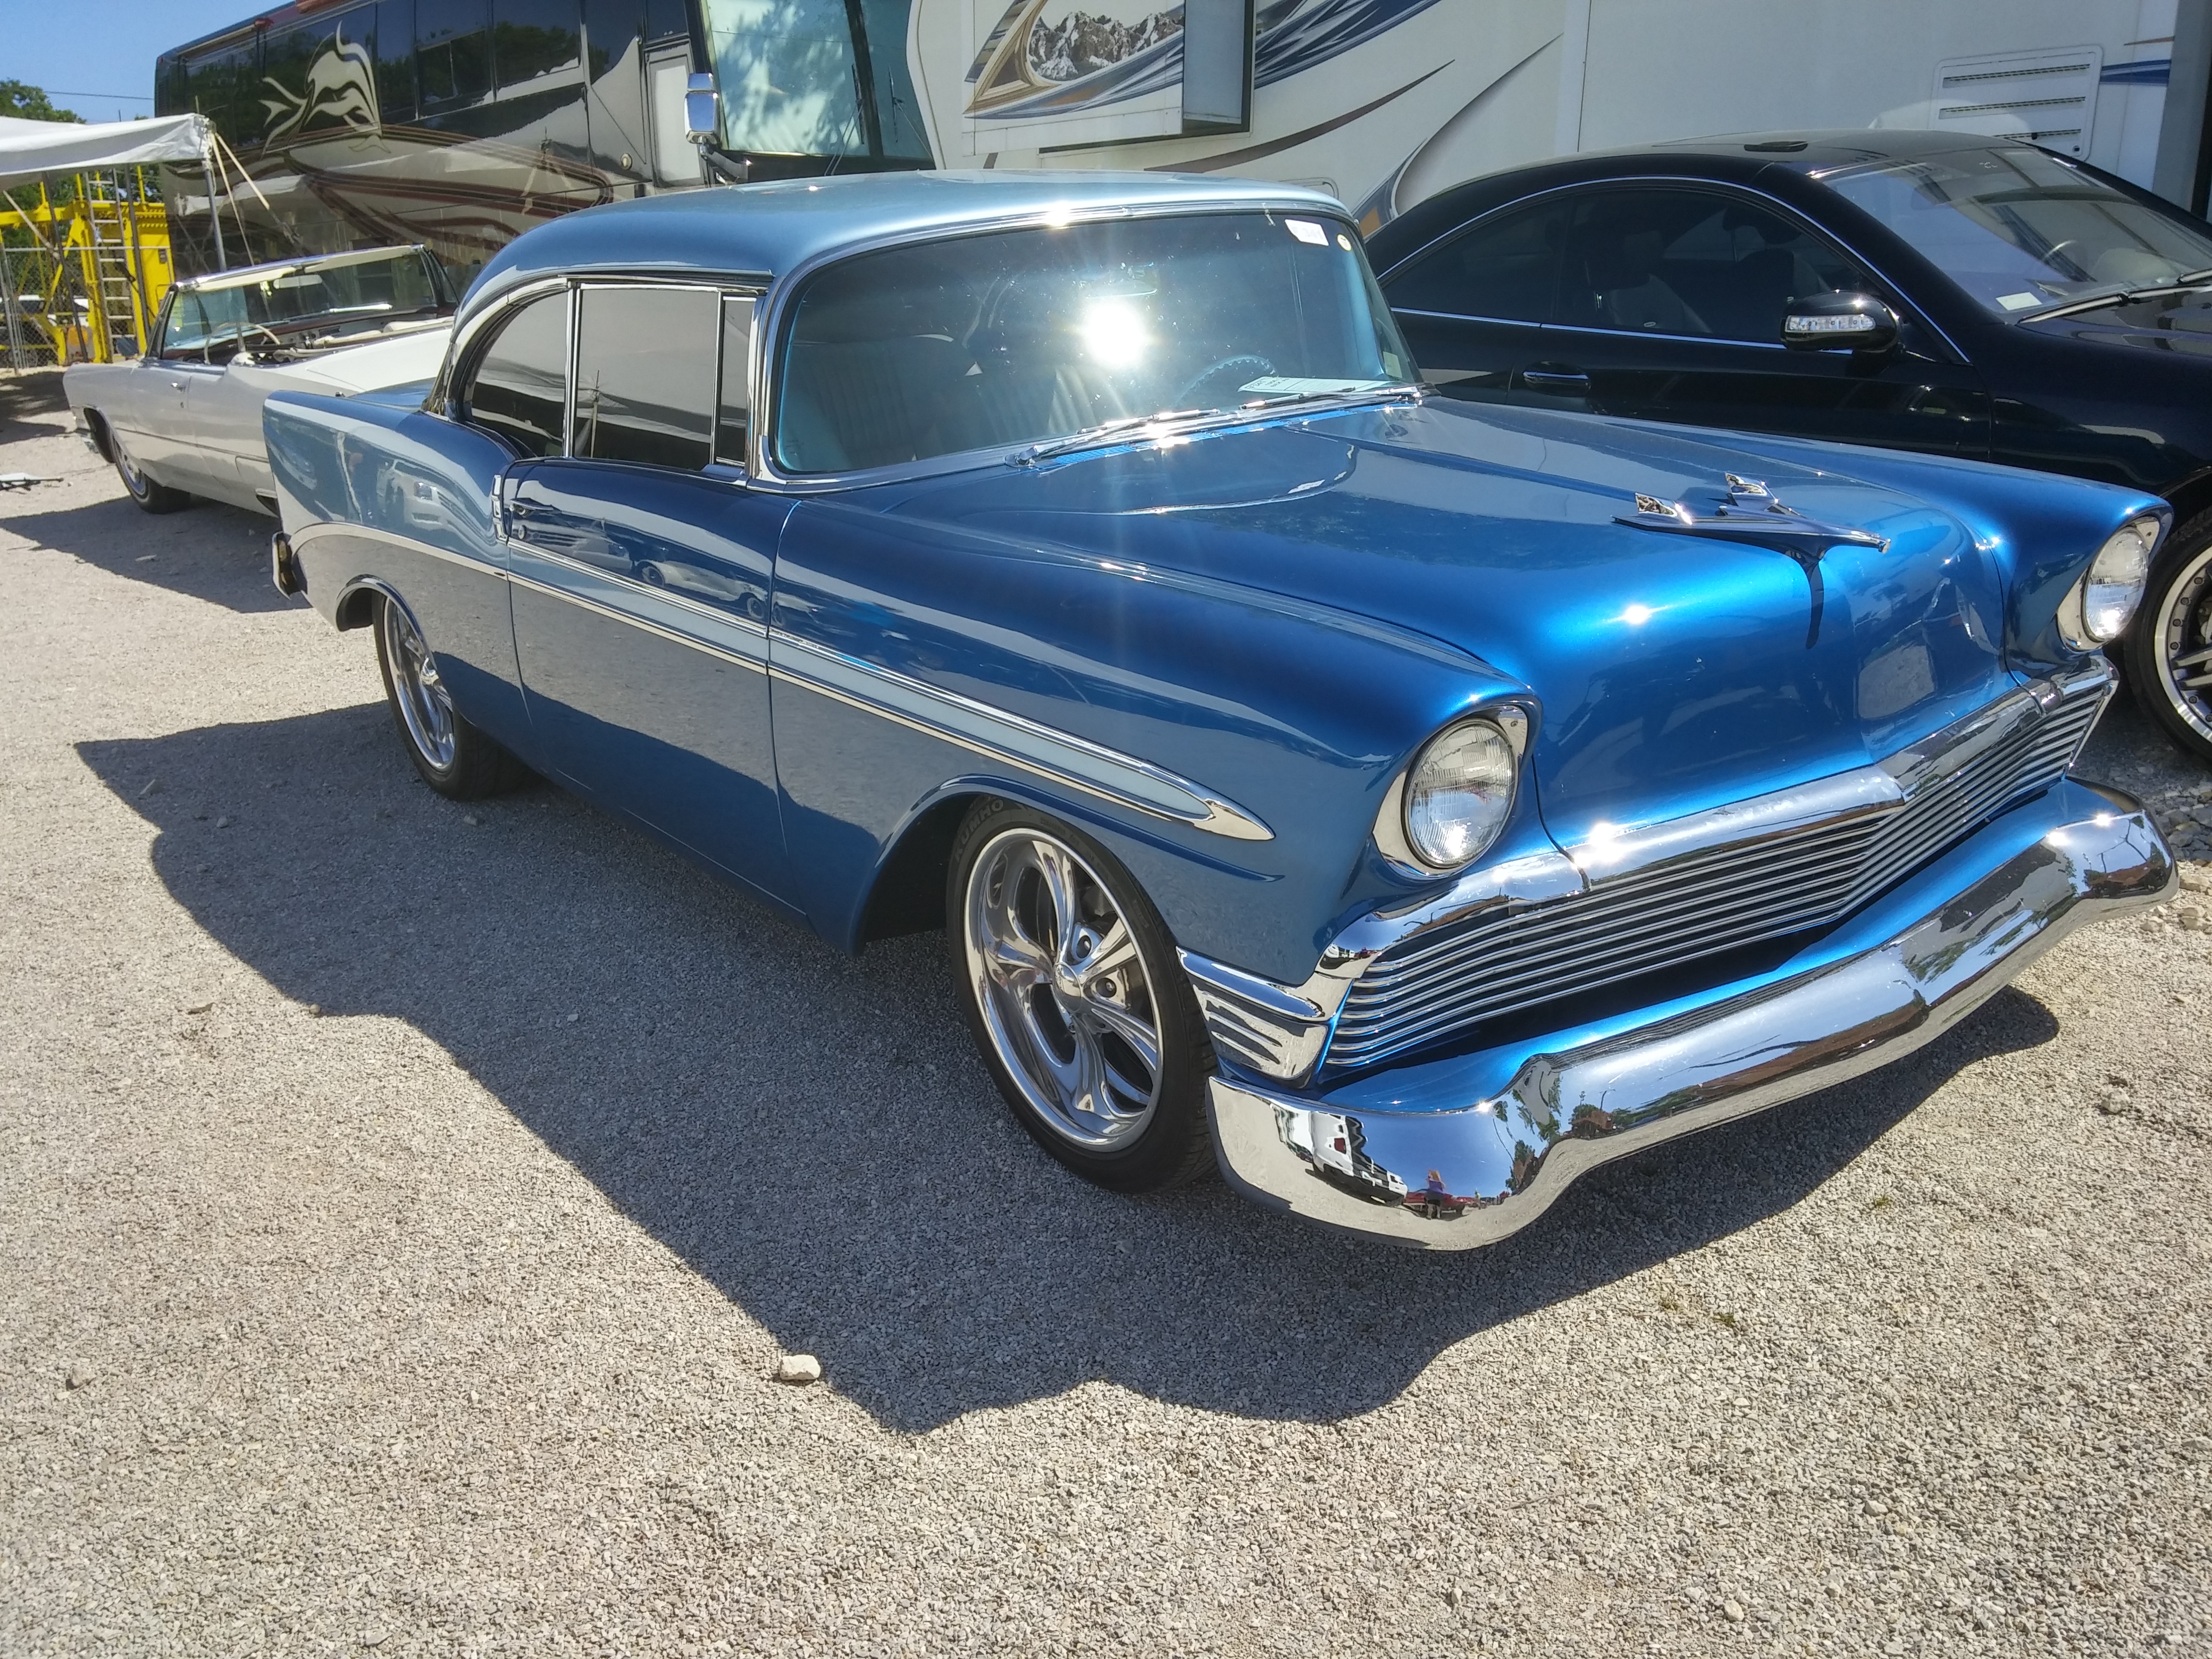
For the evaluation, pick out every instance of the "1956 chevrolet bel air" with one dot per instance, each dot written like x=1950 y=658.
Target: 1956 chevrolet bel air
x=1408 y=806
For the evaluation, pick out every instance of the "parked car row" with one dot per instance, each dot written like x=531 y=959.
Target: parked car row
x=1407 y=797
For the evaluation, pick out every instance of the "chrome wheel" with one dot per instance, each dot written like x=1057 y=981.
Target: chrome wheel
x=2181 y=643
x=1062 y=988
x=425 y=706
x=133 y=479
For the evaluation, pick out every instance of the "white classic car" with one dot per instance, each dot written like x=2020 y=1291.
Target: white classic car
x=184 y=420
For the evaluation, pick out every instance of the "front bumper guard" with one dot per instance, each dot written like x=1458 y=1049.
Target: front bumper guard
x=1457 y=1179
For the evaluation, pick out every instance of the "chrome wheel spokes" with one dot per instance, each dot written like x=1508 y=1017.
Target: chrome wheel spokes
x=424 y=703
x=2182 y=644
x=1063 y=989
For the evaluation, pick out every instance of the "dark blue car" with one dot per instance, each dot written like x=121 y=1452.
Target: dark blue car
x=1407 y=804
x=1937 y=292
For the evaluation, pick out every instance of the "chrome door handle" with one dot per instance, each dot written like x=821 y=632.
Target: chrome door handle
x=176 y=386
x=1555 y=380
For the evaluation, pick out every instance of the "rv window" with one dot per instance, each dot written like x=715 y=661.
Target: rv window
x=452 y=52
x=1692 y=262
x=221 y=86
x=532 y=38
x=395 y=61
x=1503 y=268
x=522 y=382
x=645 y=375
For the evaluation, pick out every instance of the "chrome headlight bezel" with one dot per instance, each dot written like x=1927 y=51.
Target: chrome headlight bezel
x=1394 y=836
x=2085 y=622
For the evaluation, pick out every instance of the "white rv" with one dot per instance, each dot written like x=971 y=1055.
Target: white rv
x=1386 y=102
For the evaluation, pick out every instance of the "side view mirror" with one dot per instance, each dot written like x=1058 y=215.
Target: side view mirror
x=1833 y=321
x=699 y=100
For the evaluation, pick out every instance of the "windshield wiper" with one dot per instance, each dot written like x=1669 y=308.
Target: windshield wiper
x=1259 y=407
x=1099 y=434
x=2119 y=295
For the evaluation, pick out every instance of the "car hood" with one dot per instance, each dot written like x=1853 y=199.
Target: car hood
x=1674 y=670
x=2177 y=324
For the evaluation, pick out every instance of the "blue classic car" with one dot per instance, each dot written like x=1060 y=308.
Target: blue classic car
x=1405 y=804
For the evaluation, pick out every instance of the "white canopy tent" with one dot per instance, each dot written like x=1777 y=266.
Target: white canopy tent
x=30 y=149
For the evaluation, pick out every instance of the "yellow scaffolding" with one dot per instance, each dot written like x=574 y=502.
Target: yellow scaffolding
x=89 y=279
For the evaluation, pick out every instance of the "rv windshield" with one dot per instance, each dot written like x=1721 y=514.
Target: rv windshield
x=2023 y=232
x=1042 y=337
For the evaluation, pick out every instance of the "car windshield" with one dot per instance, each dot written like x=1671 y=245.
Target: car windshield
x=310 y=303
x=2023 y=232
x=1034 y=336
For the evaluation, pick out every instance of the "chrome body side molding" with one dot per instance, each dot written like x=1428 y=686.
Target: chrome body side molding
x=1059 y=756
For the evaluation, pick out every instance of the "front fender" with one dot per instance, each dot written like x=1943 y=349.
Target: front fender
x=1295 y=716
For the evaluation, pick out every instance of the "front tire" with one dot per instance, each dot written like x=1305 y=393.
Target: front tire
x=454 y=756
x=1074 y=994
x=2168 y=651
x=144 y=493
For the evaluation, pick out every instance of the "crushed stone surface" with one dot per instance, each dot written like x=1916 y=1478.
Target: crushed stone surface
x=406 y=1209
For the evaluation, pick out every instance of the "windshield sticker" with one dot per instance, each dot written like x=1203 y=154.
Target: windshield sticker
x=1307 y=231
x=1281 y=386
x=2019 y=301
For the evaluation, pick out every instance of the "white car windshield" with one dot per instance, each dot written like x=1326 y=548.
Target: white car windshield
x=1035 y=337
x=2023 y=232
x=304 y=304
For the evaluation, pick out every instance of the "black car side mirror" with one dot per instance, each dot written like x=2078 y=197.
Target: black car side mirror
x=1833 y=322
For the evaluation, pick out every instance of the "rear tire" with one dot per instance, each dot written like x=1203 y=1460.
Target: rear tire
x=2168 y=649
x=150 y=497
x=1074 y=994
x=454 y=756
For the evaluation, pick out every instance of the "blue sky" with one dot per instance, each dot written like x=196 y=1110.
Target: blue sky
x=96 y=57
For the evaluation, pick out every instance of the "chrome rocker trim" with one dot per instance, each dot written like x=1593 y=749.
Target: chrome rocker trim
x=1364 y=1171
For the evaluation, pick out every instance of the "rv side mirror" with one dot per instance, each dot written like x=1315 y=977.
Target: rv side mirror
x=699 y=111
x=1839 y=322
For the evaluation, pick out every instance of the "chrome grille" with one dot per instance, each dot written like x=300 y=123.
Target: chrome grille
x=1697 y=905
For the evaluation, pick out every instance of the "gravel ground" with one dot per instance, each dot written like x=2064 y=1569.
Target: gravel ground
x=406 y=1206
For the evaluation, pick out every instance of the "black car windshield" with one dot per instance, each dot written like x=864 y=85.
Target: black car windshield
x=312 y=303
x=2023 y=232
x=1028 y=336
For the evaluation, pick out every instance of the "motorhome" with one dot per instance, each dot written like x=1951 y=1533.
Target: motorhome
x=461 y=123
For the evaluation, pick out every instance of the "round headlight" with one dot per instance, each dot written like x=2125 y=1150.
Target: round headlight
x=1458 y=794
x=2098 y=607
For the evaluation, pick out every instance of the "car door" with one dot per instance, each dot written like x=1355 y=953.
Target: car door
x=1471 y=306
x=643 y=567
x=209 y=324
x=1669 y=308
x=144 y=405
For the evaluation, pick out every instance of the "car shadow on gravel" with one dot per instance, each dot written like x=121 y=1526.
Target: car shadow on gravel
x=813 y=1134
x=208 y=551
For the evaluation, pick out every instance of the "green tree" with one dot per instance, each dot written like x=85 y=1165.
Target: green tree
x=29 y=103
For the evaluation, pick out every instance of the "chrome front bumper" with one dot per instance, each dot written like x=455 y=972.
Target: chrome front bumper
x=1455 y=1175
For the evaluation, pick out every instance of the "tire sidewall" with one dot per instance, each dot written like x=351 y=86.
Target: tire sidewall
x=2190 y=546
x=446 y=780
x=1163 y=1153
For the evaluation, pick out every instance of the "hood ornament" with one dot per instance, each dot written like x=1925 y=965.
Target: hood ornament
x=1747 y=510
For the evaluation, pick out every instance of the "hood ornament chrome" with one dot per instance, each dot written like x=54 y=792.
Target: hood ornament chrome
x=1748 y=512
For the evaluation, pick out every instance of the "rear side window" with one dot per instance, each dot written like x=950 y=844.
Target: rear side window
x=1503 y=268
x=645 y=375
x=522 y=382
x=1693 y=262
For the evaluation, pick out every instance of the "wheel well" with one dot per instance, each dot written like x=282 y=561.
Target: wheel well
x=2191 y=499
x=357 y=608
x=909 y=893
x=96 y=423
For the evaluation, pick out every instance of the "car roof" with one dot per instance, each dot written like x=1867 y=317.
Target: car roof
x=770 y=229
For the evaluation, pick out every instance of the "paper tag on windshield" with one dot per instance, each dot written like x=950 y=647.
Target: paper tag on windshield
x=1307 y=231
x=1283 y=385
x=2018 y=301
